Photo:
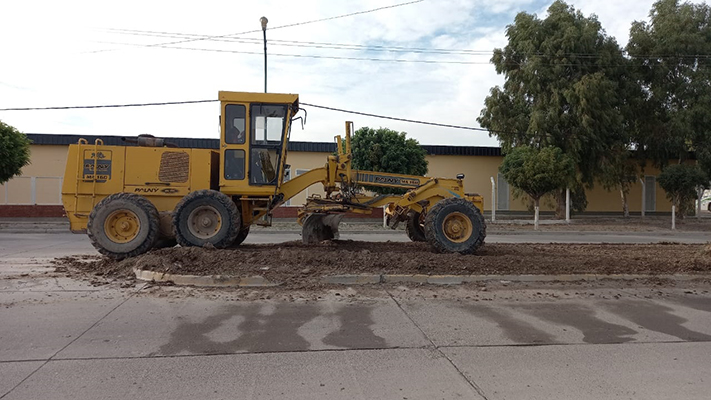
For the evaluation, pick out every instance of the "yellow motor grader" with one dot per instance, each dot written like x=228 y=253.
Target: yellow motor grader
x=130 y=199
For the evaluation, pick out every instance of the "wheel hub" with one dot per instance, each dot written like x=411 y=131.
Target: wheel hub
x=122 y=226
x=204 y=222
x=457 y=227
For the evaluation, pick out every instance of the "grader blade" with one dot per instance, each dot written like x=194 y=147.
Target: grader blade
x=320 y=227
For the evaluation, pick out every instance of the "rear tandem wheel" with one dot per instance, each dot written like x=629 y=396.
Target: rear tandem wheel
x=206 y=216
x=123 y=225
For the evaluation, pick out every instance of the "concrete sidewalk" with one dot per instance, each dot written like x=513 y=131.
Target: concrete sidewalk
x=68 y=340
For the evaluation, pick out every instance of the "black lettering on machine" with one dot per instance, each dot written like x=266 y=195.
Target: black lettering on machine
x=102 y=161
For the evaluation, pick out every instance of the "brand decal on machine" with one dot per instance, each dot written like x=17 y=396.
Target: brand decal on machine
x=155 y=190
x=388 y=180
x=145 y=190
x=102 y=161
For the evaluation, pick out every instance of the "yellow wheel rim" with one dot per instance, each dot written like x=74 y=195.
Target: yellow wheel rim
x=122 y=226
x=457 y=227
x=204 y=222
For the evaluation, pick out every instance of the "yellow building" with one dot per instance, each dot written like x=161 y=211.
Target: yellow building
x=36 y=193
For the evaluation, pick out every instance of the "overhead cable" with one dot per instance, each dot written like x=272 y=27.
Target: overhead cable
x=414 y=121
x=168 y=103
x=281 y=26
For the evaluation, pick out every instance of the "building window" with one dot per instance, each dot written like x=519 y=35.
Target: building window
x=298 y=172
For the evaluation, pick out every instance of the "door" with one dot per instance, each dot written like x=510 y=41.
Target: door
x=267 y=130
x=502 y=193
x=233 y=143
x=650 y=193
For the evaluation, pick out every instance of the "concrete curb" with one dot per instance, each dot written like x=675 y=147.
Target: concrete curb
x=206 y=281
x=369 y=279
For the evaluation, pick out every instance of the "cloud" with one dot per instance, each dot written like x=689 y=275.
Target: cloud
x=61 y=56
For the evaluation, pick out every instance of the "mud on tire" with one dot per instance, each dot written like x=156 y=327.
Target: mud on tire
x=206 y=216
x=414 y=228
x=455 y=225
x=123 y=225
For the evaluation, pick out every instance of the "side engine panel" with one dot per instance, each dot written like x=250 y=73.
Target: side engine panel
x=163 y=175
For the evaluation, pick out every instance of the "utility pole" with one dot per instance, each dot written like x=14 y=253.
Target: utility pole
x=264 y=21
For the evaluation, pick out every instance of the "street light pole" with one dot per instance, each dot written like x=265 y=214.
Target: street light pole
x=264 y=21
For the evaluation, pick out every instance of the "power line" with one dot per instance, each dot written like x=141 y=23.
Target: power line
x=325 y=45
x=210 y=101
x=354 y=47
x=281 y=26
x=398 y=119
x=345 y=15
x=398 y=60
x=169 y=103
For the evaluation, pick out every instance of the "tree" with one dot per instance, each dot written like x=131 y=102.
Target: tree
x=619 y=172
x=385 y=150
x=537 y=171
x=565 y=86
x=14 y=152
x=671 y=56
x=681 y=181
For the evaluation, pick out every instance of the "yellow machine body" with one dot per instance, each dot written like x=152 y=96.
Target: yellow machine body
x=247 y=173
x=163 y=175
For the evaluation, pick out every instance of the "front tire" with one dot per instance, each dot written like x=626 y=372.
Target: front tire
x=206 y=216
x=415 y=227
x=123 y=225
x=455 y=225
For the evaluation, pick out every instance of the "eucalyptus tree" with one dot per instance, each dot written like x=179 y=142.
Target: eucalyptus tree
x=566 y=86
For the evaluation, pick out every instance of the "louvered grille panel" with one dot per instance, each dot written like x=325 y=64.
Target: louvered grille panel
x=174 y=167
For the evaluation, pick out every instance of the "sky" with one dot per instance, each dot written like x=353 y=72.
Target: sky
x=72 y=52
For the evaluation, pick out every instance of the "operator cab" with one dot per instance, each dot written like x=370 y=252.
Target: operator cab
x=255 y=130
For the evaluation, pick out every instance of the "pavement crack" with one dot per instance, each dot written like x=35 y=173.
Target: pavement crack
x=59 y=285
x=433 y=345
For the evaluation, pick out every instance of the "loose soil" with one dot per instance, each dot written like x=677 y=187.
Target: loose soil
x=297 y=265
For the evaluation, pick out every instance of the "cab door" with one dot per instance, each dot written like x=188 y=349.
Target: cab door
x=233 y=169
x=268 y=124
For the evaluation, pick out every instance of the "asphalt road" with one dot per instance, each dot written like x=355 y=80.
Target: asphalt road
x=65 y=339
x=16 y=245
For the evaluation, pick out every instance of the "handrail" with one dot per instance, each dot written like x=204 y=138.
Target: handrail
x=97 y=142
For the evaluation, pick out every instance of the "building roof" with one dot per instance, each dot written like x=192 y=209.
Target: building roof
x=198 y=143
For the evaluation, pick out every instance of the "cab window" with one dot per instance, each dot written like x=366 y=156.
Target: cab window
x=234 y=164
x=267 y=123
x=235 y=124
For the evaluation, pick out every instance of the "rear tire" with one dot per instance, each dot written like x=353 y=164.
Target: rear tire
x=166 y=234
x=455 y=225
x=123 y=225
x=206 y=216
x=414 y=227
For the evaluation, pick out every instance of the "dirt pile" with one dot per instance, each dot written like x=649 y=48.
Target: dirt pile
x=294 y=261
